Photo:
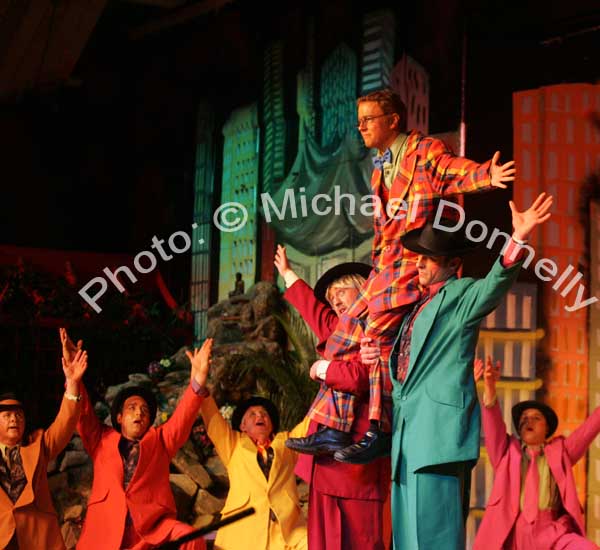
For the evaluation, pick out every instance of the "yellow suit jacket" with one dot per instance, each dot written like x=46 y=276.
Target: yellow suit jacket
x=33 y=515
x=249 y=487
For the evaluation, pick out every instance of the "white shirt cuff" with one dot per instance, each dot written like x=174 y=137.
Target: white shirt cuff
x=489 y=404
x=290 y=278
x=322 y=366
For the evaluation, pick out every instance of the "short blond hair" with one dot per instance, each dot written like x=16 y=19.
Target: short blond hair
x=352 y=280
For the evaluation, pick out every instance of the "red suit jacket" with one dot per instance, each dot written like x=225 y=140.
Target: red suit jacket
x=148 y=496
x=505 y=456
x=330 y=477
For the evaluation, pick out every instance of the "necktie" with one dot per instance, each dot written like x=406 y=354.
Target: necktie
x=532 y=484
x=130 y=452
x=12 y=474
x=403 y=350
x=264 y=457
x=379 y=160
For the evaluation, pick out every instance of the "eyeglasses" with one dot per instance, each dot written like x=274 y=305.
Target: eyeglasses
x=367 y=119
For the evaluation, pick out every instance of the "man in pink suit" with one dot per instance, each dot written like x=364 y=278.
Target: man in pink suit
x=533 y=505
x=346 y=501
x=131 y=506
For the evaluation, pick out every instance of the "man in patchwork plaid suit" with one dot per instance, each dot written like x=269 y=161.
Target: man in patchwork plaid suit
x=412 y=172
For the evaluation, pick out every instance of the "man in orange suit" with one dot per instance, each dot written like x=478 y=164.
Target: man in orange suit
x=27 y=517
x=131 y=506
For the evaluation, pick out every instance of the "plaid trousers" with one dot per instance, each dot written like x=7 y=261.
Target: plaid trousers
x=335 y=409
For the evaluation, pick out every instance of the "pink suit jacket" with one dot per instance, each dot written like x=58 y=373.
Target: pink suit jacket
x=330 y=477
x=148 y=496
x=505 y=456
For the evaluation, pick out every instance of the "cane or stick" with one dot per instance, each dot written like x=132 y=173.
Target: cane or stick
x=175 y=544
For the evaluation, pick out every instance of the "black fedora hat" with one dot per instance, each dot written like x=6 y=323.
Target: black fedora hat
x=117 y=404
x=10 y=401
x=255 y=401
x=549 y=414
x=340 y=270
x=433 y=240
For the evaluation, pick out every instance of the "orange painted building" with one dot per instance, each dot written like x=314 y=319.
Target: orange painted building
x=555 y=147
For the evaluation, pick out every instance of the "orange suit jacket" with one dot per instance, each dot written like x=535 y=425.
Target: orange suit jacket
x=33 y=515
x=148 y=496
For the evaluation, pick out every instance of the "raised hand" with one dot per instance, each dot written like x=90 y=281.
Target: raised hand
x=75 y=367
x=69 y=349
x=370 y=353
x=500 y=173
x=200 y=361
x=478 y=369
x=281 y=260
x=491 y=375
x=536 y=214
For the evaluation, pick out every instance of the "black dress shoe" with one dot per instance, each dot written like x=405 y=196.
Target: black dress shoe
x=373 y=445
x=323 y=442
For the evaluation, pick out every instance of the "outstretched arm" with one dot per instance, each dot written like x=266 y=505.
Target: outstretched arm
x=219 y=431
x=89 y=426
x=484 y=295
x=59 y=433
x=69 y=349
x=581 y=438
x=223 y=436
x=494 y=429
x=200 y=361
x=283 y=266
x=320 y=317
x=490 y=374
x=177 y=429
x=452 y=174
x=537 y=214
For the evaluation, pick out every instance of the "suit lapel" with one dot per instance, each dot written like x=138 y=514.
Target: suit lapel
x=553 y=454
x=423 y=323
x=406 y=170
x=5 y=502
x=30 y=456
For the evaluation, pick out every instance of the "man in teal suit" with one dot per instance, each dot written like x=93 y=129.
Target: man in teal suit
x=436 y=418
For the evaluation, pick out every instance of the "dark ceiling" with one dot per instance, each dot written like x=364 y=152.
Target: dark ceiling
x=98 y=103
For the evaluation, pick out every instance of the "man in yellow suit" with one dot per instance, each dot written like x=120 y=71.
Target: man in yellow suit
x=261 y=475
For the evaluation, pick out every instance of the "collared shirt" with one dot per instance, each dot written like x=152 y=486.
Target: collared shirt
x=402 y=347
x=512 y=254
x=264 y=457
x=390 y=170
x=548 y=496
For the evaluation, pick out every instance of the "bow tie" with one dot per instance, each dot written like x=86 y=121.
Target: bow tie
x=379 y=160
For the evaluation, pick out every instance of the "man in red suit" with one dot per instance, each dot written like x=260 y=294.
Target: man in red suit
x=346 y=501
x=131 y=506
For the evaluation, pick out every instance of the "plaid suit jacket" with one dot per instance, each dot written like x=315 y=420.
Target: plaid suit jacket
x=427 y=173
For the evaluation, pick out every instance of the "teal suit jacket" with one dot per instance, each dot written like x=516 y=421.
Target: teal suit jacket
x=436 y=408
